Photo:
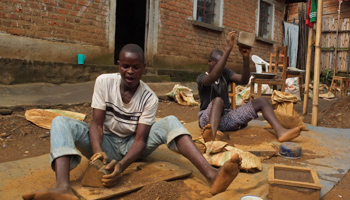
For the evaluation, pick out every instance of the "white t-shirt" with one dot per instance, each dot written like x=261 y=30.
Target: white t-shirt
x=122 y=119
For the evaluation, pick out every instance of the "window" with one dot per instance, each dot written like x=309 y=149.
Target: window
x=205 y=11
x=265 y=19
x=208 y=11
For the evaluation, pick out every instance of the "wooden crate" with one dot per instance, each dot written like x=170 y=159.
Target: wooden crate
x=290 y=183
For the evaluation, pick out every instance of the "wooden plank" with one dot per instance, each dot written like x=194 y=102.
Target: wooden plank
x=133 y=178
x=322 y=59
x=325 y=60
x=331 y=16
x=345 y=15
x=329 y=4
x=331 y=11
x=328 y=40
x=332 y=31
x=342 y=61
x=345 y=10
x=345 y=6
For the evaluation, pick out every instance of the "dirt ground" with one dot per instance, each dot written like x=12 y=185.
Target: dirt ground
x=20 y=139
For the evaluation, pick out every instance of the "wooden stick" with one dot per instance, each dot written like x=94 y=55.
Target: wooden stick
x=348 y=58
x=317 y=63
x=337 y=41
x=308 y=68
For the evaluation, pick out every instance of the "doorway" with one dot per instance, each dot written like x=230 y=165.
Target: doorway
x=130 y=24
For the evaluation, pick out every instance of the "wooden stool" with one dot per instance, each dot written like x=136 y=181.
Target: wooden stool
x=300 y=77
x=343 y=85
x=232 y=95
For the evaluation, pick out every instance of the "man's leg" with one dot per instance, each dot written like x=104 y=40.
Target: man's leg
x=219 y=179
x=215 y=112
x=283 y=134
x=65 y=132
x=62 y=189
x=170 y=131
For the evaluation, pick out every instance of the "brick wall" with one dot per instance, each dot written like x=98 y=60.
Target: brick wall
x=72 y=21
x=179 y=37
x=293 y=12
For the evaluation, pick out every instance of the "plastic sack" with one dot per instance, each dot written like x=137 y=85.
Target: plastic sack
x=292 y=87
x=283 y=97
x=243 y=94
x=285 y=112
x=250 y=162
x=218 y=152
x=44 y=117
x=182 y=95
x=265 y=88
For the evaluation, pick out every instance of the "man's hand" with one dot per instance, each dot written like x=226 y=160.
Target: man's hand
x=230 y=39
x=111 y=179
x=100 y=155
x=245 y=51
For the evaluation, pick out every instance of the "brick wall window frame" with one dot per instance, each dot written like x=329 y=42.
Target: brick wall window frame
x=265 y=20
x=208 y=12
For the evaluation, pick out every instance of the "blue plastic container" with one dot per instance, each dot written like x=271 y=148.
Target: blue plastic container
x=290 y=150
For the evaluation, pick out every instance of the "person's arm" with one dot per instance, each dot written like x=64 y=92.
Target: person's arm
x=220 y=65
x=244 y=78
x=137 y=147
x=96 y=135
x=133 y=154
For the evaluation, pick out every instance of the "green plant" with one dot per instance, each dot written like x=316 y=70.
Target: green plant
x=326 y=77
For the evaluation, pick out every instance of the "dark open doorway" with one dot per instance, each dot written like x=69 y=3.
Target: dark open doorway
x=130 y=24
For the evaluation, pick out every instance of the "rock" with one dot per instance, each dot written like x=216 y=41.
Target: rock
x=5 y=112
x=4 y=135
x=44 y=136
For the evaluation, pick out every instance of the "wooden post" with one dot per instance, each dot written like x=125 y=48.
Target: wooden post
x=347 y=64
x=336 y=42
x=317 y=63
x=308 y=68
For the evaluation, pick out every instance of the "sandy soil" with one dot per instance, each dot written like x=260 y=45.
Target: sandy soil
x=22 y=139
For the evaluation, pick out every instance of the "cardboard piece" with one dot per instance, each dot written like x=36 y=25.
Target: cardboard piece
x=133 y=178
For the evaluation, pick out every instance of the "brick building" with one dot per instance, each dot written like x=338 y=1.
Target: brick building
x=175 y=34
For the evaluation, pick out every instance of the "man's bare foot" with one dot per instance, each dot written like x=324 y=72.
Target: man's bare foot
x=289 y=134
x=51 y=195
x=207 y=133
x=227 y=173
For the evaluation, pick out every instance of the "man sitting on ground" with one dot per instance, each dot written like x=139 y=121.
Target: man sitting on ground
x=215 y=113
x=123 y=129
